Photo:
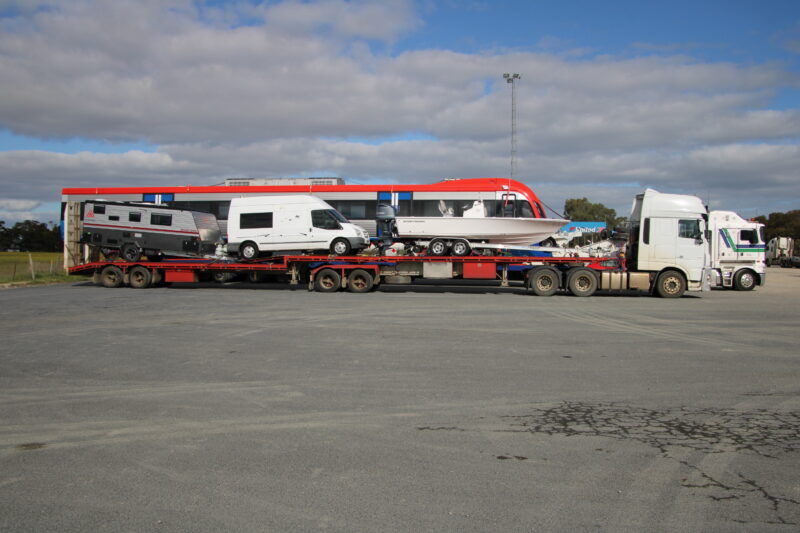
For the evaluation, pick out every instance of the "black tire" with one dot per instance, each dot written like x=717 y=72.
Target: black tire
x=544 y=281
x=582 y=282
x=670 y=284
x=340 y=247
x=548 y=243
x=460 y=248
x=437 y=247
x=248 y=250
x=139 y=277
x=745 y=280
x=111 y=277
x=359 y=280
x=327 y=280
x=130 y=252
x=222 y=276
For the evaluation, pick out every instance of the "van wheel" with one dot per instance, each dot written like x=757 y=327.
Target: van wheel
x=745 y=280
x=670 y=284
x=248 y=250
x=140 y=277
x=130 y=253
x=359 y=280
x=327 y=280
x=111 y=277
x=340 y=247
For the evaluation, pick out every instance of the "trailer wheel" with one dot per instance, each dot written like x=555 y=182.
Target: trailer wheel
x=327 y=280
x=745 y=280
x=460 y=248
x=340 y=247
x=437 y=247
x=359 y=280
x=222 y=276
x=543 y=281
x=248 y=250
x=130 y=252
x=111 y=277
x=582 y=282
x=140 y=277
x=670 y=284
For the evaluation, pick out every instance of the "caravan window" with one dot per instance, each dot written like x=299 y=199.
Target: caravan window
x=158 y=219
x=134 y=217
x=99 y=209
x=255 y=220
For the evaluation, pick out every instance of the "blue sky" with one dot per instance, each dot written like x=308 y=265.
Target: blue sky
x=681 y=96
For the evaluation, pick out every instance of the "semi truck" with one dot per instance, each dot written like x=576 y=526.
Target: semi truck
x=737 y=251
x=780 y=251
x=666 y=255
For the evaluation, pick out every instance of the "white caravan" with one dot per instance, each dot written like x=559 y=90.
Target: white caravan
x=293 y=222
x=667 y=240
x=737 y=251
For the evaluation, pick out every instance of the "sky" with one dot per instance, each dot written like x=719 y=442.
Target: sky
x=614 y=97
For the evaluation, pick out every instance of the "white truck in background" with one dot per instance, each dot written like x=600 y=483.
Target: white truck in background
x=780 y=251
x=737 y=251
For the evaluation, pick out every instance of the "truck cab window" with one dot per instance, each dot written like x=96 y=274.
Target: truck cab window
x=689 y=229
x=325 y=219
x=749 y=235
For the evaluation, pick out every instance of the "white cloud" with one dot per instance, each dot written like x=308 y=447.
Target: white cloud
x=276 y=89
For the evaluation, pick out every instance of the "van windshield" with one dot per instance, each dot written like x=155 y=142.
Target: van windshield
x=327 y=219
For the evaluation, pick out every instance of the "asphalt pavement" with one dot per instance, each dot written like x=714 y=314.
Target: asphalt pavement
x=258 y=407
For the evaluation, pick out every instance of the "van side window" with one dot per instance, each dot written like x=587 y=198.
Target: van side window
x=134 y=217
x=99 y=209
x=321 y=218
x=255 y=220
x=689 y=229
x=158 y=219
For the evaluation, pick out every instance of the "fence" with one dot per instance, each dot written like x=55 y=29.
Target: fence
x=26 y=267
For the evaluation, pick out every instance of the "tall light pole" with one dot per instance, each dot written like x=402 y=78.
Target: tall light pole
x=512 y=78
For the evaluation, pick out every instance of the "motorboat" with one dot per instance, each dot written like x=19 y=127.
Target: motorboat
x=474 y=225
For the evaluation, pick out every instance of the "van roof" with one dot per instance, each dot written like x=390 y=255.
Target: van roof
x=279 y=199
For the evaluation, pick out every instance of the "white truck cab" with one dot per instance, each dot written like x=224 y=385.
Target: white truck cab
x=667 y=239
x=738 y=256
x=287 y=223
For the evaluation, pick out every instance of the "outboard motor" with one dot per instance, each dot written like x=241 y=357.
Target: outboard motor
x=385 y=224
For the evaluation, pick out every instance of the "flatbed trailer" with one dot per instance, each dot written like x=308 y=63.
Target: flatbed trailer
x=544 y=276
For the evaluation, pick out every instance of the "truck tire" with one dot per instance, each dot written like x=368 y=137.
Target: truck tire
x=340 y=247
x=543 y=281
x=581 y=282
x=359 y=281
x=140 y=277
x=460 y=248
x=745 y=280
x=130 y=252
x=327 y=280
x=670 y=284
x=437 y=247
x=111 y=277
x=248 y=250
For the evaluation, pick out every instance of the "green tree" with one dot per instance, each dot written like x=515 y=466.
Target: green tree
x=781 y=224
x=31 y=236
x=581 y=209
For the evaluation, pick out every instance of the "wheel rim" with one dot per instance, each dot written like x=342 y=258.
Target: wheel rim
x=460 y=248
x=583 y=283
x=327 y=282
x=672 y=285
x=130 y=254
x=747 y=280
x=437 y=248
x=544 y=283
x=248 y=252
x=359 y=282
x=340 y=247
x=137 y=278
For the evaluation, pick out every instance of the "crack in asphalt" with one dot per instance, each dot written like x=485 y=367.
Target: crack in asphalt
x=762 y=433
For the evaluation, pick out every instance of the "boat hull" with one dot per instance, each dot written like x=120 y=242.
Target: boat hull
x=521 y=231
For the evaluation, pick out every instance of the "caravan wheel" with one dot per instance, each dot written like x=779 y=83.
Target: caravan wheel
x=130 y=252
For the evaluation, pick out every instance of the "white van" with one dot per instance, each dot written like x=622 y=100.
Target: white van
x=294 y=222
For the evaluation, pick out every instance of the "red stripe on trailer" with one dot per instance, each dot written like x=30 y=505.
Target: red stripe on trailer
x=133 y=228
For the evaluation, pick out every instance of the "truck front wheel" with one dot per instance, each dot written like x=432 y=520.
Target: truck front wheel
x=670 y=284
x=745 y=280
